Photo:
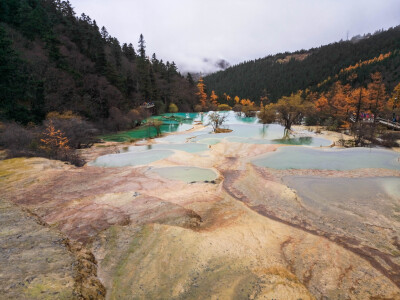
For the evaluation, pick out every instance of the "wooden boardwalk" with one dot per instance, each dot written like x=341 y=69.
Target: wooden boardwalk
x=389 y=123
x=385 y=122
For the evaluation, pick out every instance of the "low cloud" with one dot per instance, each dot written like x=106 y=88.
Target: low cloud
x=236 y=30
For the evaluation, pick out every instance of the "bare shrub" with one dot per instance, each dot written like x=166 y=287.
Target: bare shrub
x=18 y=140
x=216 y=120
x=80 y=133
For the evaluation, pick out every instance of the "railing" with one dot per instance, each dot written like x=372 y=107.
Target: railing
x=148 y=105
x=353 y=119
x=389 y=123
x=381 y=121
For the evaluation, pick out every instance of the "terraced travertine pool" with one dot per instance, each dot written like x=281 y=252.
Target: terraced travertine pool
x=245 y=130
x=130 y=158
x=329 y=159
x=186 y=174
x=201 y=221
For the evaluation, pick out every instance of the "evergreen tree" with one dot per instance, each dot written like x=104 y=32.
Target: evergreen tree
x=130 y=84
x=190 y=79
x=142 y=47
x=89 y=77
x=38 y=104
x=104 y=33
x=129 y=52
x=12 y=82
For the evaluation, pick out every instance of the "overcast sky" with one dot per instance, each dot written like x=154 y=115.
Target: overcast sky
x=197 y=33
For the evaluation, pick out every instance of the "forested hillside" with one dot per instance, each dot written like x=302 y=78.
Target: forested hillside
x=53 y=60
x=316 y=69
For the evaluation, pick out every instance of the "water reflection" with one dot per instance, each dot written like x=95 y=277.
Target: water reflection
x=263 y=130
x=287 y=140
x=244 y=130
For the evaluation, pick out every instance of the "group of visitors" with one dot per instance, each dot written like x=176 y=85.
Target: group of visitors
x=363 y=116
x=148 y=104
x=369 y=117
x=366 y=116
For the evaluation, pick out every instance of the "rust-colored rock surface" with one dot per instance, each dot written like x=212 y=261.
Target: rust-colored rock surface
x=250 y=234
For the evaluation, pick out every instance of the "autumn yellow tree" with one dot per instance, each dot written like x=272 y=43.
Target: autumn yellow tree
x=248 y=107
x=54 y=142
x=322 y=106
x=336 y=103
x=339 y=101
x=224 y=107
x=246 y=102
x=214 y=98
x=227 y=98
x=267 y=114
x=288 y=109
x=377 y=94
x=358 y=101
x=393 y=105
x=201 y=93
x=173 y=108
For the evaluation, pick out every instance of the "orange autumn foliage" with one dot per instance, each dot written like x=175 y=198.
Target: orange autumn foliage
x=394 y=102
x=336 y=102
x=54 y=140
x=246 y=102
x=341 y=102
x=376 y=94
x=366 y=62
x=322 y=104
x=201 y=93
x=214 y=98
x=227 y=98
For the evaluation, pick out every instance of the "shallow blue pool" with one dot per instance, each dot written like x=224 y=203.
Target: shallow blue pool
x=329 y=159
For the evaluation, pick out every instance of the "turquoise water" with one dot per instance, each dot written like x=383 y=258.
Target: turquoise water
x=181 y=138
x=130 y=158
x=260 y=134
x=244 y=130
x=145 y=132
x=329 y=159
x=141 y=155
x=171 y=123
x=187 y=147
x=210 y=141
x=186 y=174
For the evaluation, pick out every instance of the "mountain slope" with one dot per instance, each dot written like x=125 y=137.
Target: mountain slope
x=52 y=60
x=285 y=73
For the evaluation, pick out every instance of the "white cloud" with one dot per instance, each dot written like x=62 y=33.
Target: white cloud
x=187 y=31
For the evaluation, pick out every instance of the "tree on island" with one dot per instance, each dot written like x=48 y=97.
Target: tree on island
x=216 y=120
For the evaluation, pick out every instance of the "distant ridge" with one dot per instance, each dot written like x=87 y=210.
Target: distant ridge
x=285 y=73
